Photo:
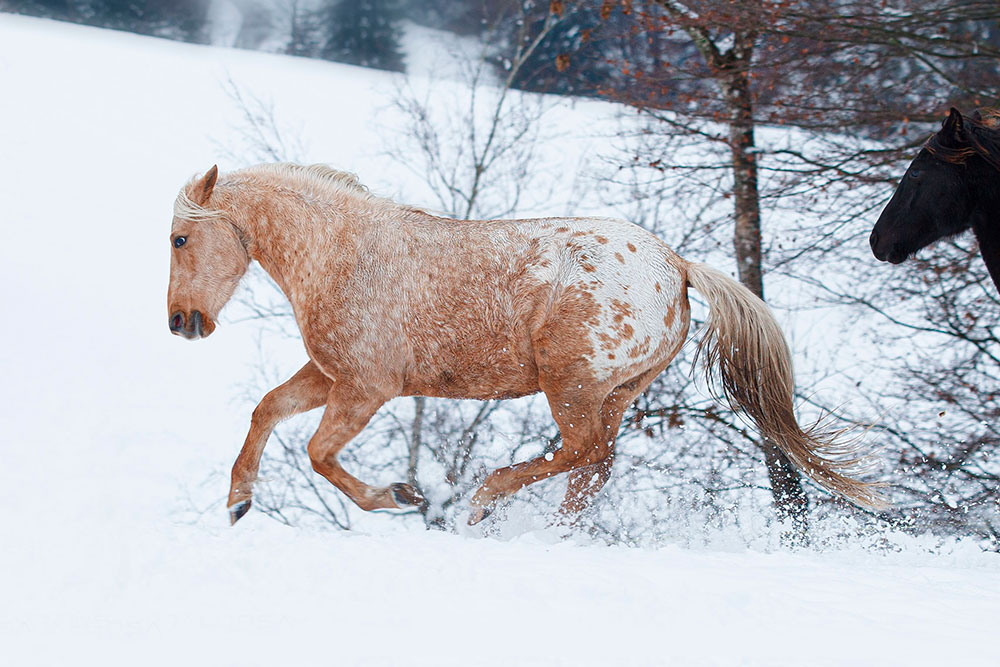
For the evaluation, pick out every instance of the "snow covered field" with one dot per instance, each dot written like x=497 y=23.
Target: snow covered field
x=109 y=421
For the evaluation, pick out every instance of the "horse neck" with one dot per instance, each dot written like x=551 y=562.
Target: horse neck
x=291 y=237
x=986 y=218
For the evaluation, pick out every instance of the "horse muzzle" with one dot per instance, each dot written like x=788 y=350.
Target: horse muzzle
x=894 y=254
x=191 y=327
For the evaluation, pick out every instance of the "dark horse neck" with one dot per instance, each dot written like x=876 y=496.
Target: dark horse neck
x=986 y=223
x=989 y=246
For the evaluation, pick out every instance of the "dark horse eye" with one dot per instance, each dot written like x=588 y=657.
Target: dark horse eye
x=914 y=173
x=179 y=241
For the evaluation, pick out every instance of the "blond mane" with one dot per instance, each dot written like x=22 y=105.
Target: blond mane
x=315 y=181
x=311 y=173
x=186 y=209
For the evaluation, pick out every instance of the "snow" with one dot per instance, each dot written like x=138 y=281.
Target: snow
x=111 y=424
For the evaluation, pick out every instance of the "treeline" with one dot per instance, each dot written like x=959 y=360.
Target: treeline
x=631 y=50
x=581 y=56
x=362 y=32
x=180 y=19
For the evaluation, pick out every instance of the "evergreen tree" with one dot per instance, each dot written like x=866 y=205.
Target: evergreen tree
x=303 y=23
x=179 y=19
x=364 y=32
x=64 y=10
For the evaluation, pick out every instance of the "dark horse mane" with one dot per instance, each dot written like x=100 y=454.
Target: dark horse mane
x=982 y=131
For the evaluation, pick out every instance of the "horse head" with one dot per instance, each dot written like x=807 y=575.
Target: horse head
x=933 y=200
x=207 y=260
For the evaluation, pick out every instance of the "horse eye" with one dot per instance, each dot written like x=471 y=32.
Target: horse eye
x=914 y=173
x=179 y=241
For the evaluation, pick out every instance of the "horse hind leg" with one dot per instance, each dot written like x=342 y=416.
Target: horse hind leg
x=304 y=391
x=577 y=412
x=586 y=482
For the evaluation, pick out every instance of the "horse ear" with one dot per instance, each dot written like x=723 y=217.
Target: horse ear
x=202 y=189
x=953 y=127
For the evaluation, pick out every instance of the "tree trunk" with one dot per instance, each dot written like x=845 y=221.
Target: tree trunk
x=415 y=440
x=786 y=487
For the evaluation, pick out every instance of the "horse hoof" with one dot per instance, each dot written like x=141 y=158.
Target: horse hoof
x=479 y=514
x=404 y=494
x=237 y=511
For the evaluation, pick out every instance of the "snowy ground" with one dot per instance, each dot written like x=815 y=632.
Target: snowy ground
x=108 y=419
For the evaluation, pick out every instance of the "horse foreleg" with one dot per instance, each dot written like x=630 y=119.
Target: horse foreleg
x=304 y=391
x=347 y=413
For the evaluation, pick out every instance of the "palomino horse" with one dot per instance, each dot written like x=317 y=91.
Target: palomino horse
x=952 y=185
x=392 y=301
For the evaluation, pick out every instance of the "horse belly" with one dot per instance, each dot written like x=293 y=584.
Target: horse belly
x=479 y=349
x=477 y=373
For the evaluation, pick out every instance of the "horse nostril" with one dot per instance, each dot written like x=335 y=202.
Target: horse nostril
x=177 y=322
x=196 y=323
x=874 y=239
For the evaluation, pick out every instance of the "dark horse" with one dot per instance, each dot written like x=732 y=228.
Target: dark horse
x=953 y=184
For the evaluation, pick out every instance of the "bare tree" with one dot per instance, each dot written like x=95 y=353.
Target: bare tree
x=474 y=143
x=814 y=65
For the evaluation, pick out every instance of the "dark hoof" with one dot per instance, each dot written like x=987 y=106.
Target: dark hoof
x=479 y=514
x=237 y=511
x=405 y=495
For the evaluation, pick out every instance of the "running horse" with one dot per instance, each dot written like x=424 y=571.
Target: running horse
x=392 y=301
x=951 y=186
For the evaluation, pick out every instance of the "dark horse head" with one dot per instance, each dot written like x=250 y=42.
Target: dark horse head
x=951 y=186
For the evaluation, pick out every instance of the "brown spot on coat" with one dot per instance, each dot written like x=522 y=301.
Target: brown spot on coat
x=619 y=257
x=623 y=308
x=639 y=350
x=631 y=247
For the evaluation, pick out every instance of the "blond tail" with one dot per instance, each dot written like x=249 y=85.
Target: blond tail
x=743 y=341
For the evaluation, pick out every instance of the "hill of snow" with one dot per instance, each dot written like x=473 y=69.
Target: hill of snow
x=109 y=420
